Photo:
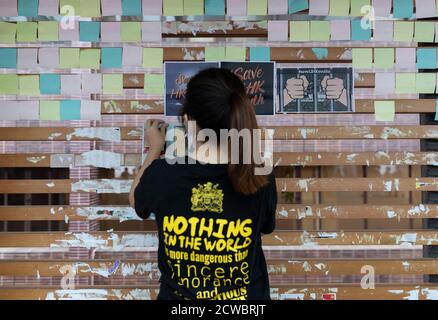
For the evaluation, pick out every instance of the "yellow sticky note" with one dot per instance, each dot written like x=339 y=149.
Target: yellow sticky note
x=193 y=7
x=425 y=82
x=384 y=110
x=363 y=58
x=89 y=58
x=29 y=85
x=403 y=31
x=48 y=31
x=130 y=31
x=152 y=57
x=112 y=83
x=65 y=4
x=214 y=53
x=50 y=110
x=339 y=8
x=173 y=7
x=257 y=7
x=384 y=58
x=8 y=84
x=299 y=31
x=235 y=54
x=90 y=8
x=356 y=6
x=320 y=31
x=405 y=82
x=69 y=58
x=27 y=31
x=8 y=31
x=424 y=31
x=154 y=84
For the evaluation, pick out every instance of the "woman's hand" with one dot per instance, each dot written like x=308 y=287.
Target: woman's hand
x=155 y=134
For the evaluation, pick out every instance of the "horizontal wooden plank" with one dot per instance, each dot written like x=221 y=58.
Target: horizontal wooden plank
x=148 y=239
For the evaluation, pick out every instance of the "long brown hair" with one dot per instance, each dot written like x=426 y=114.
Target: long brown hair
x=216 y=99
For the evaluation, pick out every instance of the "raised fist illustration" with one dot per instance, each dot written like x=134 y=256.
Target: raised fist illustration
x=295 y=89
x=334 y=89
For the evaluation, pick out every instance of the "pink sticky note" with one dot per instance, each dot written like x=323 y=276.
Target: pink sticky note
x=152 y=7
x=90 y=110
x=111 y=7
x=319 y=7
x=384 y=82
x=28 y=110
x=69 y=34
x=71 y=84
x=9 y=8
x=151 y=31
x=48 y=57
x=110 y=31
x=384 y=31
x=340 y=30
x=425 y=8
x=382 y=8
x=48 y=7
x=405 y=58
x=278 y=30
x=9 y=110
x=236 y=7
x=91 y=83
x=132 y=56
x=27 y=58
x=278 y=7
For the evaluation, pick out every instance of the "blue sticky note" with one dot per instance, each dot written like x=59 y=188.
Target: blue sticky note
x=111 y=58
x=28 y=8
x=131 y=8
x=436 y=110
x=403 y=8
x=214 y=7
x=89 y=31
x=426 y=58
x=50 y=83
x=8 y=58
x=358 y=33
x=298 y=5
x=260 y=54
x=320 y=53
x=70 y=109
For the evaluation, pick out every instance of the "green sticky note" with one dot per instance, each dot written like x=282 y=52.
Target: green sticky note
x=27 y=31
x=356 y=6
x=193 y=7
x=69 y=58
x=405 y=82
x=152 y=57
x=403 y=31
x=7 y=32
x=320 y=30
x=48 y=31
x=235 y=54
x=363 y=58
x=63 y=7
x=154 y=84
x=29 y=85
x=89 y=58
x=384 y=110
x=214 y=53
x=299 y=31
x=339 y=8
x=90 y=8
x=130 y=32
x=8 y=84
x=424 y=31
x=50 y=110
x=257 y=7
x=384 y=58
x=425 y=83
x=112 y=83
x=173 y=7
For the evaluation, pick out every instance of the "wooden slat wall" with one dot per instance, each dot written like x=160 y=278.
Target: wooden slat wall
x=349 y=188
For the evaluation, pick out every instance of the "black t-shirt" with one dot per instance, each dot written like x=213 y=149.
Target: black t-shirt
x=209 y=234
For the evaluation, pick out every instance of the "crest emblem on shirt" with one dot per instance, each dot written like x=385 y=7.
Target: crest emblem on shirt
x=207 y=197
